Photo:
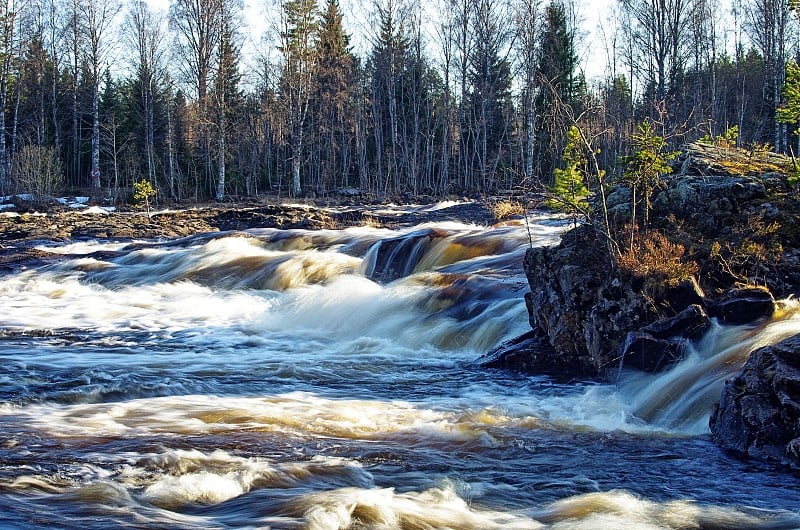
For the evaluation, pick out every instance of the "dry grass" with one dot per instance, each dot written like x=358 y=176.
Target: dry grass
x=657 y=260
x=506 y=209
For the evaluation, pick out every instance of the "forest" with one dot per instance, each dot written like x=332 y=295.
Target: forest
x=463 y=97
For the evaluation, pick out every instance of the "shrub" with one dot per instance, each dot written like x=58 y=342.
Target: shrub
x=37 y=171
x=506 y=209
x=657 y=260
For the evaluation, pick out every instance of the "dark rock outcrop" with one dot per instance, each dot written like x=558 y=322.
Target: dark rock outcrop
x=691 y=323
x=743 y=306
x=647 y=353
x=661 y=344
x=759 y=413
x=579 y=303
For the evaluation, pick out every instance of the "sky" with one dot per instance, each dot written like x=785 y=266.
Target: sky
x=259 y=19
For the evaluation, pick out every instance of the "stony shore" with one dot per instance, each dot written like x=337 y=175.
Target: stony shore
x=24 y=226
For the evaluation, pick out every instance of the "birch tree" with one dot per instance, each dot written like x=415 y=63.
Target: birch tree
x=99 y=18
x=146 y=32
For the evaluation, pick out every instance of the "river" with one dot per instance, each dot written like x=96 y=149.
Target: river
x=327 y=379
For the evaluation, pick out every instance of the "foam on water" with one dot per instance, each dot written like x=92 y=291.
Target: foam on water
x=260 y=379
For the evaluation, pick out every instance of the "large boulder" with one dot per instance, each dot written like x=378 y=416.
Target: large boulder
x=579 y=303
x=707 y=202
x=660 y=345
x=759 y=412
x=647 y=353
x=531 y=353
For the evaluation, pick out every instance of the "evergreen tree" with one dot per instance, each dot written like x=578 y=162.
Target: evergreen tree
x=334 y=99
x=226 y=95
x=645 y=167
x=569 y=191
x=490 y=94
x=557 y=99
x=298 y=39
x=387 y=67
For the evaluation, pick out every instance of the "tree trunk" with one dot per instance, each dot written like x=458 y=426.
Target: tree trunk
x=95 y=172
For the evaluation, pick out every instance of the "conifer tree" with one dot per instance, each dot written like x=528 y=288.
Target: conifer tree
x=645 y=167
x=490 y=95
x=334 y=97
x=558 y=95
x=226 y=96
x=569 y=191
x=298 y=39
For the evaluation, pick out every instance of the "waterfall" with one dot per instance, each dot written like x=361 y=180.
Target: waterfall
x=681 y=398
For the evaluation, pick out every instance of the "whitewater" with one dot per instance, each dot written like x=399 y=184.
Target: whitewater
x=297 y=379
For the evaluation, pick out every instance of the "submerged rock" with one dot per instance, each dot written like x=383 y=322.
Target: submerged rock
x=759 y=413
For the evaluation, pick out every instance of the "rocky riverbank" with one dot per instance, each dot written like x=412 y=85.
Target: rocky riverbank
x=24 y=226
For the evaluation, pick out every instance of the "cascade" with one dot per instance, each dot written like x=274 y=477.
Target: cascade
x=682 y=397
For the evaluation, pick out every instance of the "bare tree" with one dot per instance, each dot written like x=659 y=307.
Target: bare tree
x=146 y=32
x=767 y=24
x=98 y=22
x=659 y=32
x=198 y=28
x=298 y=38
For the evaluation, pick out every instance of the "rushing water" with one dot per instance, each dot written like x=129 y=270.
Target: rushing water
x=323 y=380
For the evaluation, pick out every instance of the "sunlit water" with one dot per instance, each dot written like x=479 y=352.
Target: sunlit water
x=324 y=380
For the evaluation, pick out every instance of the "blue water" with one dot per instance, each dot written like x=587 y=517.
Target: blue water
x=265 y=380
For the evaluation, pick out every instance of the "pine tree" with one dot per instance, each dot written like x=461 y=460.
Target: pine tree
x=387 y=68
x=334 y=97
x=226 y=95
x=569 y=191
x=644 y=168
x=490 y=93
x=298 y=38
x=557 y=97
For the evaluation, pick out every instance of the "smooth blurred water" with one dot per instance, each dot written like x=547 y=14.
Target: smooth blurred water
x=261 y=379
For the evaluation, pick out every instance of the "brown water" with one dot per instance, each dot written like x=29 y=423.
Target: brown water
x=263 y=380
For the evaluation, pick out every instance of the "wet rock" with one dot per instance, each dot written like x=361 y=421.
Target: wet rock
x=643 y=351
x=530 y=353
x=691 y=323
x=743 y=306
x=759 y=412
x=397 y=257
x=660 y=345
x=686 y=293
x=578 y=302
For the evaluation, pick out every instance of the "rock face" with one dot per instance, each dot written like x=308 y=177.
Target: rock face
x=759 y=412
x=530 y=353
x=578 y=303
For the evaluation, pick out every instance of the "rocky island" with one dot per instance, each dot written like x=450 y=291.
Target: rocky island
x=724 y=244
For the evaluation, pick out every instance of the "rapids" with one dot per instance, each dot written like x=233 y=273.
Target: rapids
x=326 y=379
